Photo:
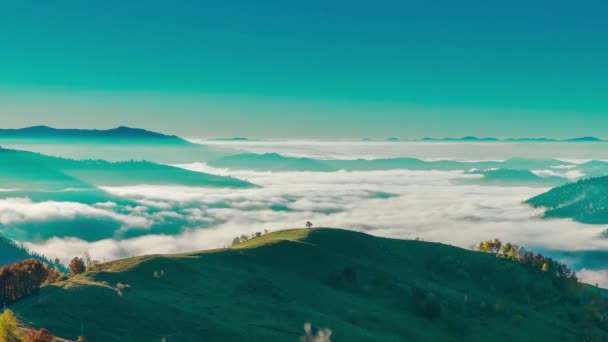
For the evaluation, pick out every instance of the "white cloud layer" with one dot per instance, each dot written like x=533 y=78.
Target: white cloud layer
x=594 y=277
x=19 y=210
x=425 y=204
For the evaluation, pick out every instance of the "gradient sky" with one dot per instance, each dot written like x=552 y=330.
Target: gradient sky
x=314 y=68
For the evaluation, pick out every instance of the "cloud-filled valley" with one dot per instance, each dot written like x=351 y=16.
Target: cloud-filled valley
x=451 y=207
x=401 y=204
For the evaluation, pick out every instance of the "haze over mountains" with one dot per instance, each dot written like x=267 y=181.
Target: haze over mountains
x=278 y=162
x=490 y=139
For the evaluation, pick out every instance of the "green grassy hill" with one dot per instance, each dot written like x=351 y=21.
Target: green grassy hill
x=363 y=288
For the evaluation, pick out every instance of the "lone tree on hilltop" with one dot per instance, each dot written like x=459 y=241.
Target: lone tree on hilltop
x=308 y=224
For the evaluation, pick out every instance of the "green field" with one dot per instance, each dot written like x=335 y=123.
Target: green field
x=363 y=288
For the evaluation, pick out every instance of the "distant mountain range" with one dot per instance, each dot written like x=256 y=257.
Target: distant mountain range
x=116 y=134
x=490 y=139
x=277 y=162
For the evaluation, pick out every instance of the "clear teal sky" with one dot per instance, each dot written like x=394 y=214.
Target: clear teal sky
x=314 y=68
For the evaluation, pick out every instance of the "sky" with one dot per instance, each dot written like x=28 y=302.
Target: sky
x=308 y=69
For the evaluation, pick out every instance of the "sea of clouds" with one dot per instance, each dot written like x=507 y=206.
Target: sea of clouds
x=429 y=205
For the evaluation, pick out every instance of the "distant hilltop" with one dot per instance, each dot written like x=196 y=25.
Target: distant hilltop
x=121 y=133
x=490 y=139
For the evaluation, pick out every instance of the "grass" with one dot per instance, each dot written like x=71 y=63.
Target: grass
x=292 y=235
x=362 y=287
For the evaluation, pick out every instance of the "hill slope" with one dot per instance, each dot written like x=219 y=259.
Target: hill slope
x=585 y=201
x=362 y=287
x=29 y=171
x=10 y=252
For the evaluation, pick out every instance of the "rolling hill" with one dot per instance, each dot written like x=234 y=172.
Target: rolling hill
x=363 y=288
x=584 y=201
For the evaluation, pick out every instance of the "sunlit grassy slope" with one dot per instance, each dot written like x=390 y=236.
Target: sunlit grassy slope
x=364 y=288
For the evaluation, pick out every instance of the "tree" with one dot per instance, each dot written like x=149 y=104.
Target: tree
x=8 y=327
x=308 y=224
x=77 y=266
x=21 y=279
x=41 y=335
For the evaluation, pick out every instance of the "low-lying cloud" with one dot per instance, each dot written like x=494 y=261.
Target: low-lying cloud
x=430 y=205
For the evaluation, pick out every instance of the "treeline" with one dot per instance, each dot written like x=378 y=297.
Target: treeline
x=244 y=238
x=11 y=251
x=529 y=259
x=24 y=278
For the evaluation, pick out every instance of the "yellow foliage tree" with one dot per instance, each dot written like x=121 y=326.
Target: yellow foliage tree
x=8 y=327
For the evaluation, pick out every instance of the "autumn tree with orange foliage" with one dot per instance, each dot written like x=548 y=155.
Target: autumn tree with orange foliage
x=41 y=335
x=23 y=278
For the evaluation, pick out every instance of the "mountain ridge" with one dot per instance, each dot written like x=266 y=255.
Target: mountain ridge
x=492 y=139
x=118 y=133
